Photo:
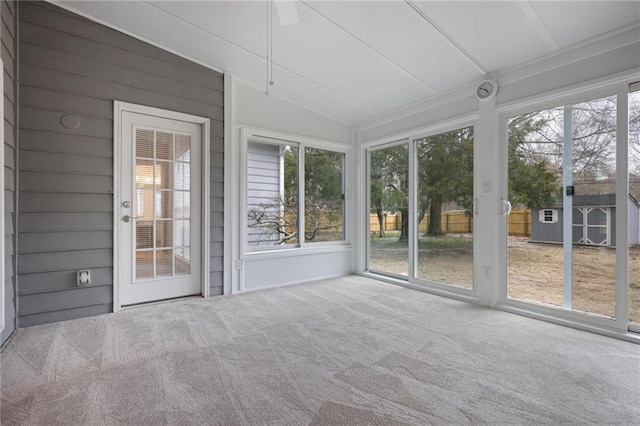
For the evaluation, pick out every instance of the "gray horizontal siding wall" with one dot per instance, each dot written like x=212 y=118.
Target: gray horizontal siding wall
x=70 y=65
x=8 y=47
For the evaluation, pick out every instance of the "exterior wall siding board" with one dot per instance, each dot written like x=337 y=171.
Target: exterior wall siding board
x=70 y=65
x=39 y=97
x=7 y=42
x=73 y=83
x=64 y=314
x=42 y=242
x=35 y=202
x=74 y=144
x=64 y=183
x=43 y=282
x=65 y=163
x=50 y=16
x=64 y=42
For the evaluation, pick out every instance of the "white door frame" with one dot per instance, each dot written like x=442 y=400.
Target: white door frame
x=118 y=108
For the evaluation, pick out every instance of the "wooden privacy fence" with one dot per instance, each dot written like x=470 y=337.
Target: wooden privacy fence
x=456 y=221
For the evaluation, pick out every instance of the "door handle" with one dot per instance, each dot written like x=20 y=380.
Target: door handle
x=127 y=218
x=506 y=207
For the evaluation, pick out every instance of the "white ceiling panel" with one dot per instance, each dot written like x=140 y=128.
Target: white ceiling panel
x=588 y=19
x=355 y=60
x=331 y=57
x=400 y=34
x=497 y=34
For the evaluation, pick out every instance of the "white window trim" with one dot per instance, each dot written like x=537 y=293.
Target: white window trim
x=118 y=108
x=302 y=142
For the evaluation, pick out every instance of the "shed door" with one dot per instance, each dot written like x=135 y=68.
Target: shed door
x=160 y=212
x=591 y=226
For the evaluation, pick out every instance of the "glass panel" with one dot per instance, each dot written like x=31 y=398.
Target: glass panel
x=183 y=148
x=444 y=233
x=144 y=264
x=144 y=173
x=144 y=234
x=272 y=194
x=182 y=202
x=164 y=263
x=182 y=233
x=535 y=267
x=183 y=261
x=182 y=176
x=324 y=193
x=594 y=180
x=165 y=204
x=389 y=204
x=164 y=233
x=536 y=154
x=164 y=175
x=634 y=206
x=164 y=146
x=144 y=204
x=144 y=143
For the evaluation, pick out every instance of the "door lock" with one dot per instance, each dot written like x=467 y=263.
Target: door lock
x=126 y=204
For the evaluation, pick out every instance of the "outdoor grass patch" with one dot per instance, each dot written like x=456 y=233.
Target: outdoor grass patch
x=392 y=240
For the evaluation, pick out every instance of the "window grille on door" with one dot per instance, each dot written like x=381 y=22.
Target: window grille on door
x=163 y=199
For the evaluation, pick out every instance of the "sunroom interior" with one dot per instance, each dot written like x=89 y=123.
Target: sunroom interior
x=157 y=150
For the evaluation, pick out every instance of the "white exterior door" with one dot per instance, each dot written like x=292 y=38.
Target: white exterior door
x=159 y=209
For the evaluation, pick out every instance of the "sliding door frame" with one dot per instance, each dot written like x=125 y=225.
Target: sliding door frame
x=411 y=280
x=577 y=319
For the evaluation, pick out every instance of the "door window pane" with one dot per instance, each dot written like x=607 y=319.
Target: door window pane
x=389 y=209
x=444 y=233
x=323 y=195
x=157 y=202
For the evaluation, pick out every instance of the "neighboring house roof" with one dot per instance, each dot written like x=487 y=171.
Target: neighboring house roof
x=600 y=200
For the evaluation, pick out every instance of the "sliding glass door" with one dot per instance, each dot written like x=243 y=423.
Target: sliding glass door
x=389 y=210
x=421 y=219
x=563 y=181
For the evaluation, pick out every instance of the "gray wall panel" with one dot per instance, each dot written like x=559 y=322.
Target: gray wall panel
x=70 y=65
x=65 y=163
x=64 y=260
x=43 y=282
x=57 y=142
x=43 y=36
x=63 y=183
x=8 y=41
x=34 y=202
x=80 y=221
x=64 y=314
x=39 y=242
x=66 y=299
x=69 y=23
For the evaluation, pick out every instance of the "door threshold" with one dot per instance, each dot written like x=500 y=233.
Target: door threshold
x=160 y=302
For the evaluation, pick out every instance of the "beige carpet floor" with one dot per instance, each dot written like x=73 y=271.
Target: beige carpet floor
x=347 y=351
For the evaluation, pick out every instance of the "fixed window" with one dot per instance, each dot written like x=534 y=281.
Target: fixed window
x=294 y=195
x=548 y=216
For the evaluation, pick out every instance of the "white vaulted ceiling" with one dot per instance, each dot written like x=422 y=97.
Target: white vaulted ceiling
x=353 y=61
